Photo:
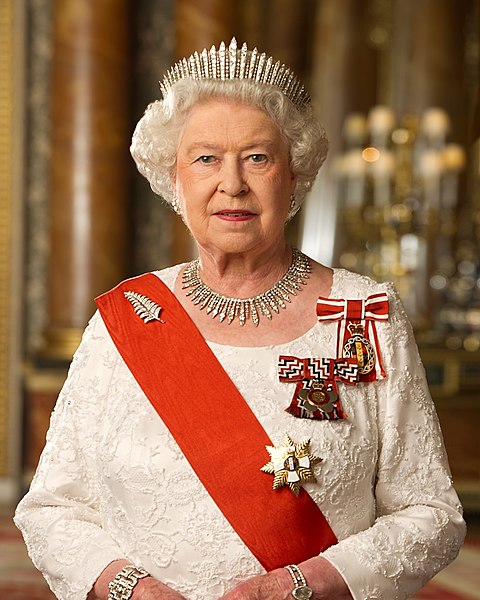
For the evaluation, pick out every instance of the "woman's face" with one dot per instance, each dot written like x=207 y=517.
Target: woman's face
x=232 y=177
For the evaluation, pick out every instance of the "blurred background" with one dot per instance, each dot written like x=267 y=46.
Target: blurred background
x=396 y=85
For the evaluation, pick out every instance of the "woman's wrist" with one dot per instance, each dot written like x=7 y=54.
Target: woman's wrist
x=324 y=580
x=100 y=589
x=301 y=590
x=146 y=587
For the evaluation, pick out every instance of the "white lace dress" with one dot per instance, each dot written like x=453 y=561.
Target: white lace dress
x=112 y=482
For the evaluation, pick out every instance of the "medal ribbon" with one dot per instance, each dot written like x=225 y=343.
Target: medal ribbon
x=323 y=373
x=291 y=368
x=362 y=312
x=219 y=436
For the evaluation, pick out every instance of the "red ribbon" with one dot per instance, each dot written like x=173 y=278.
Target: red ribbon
x=363 y=312
x=173 y=365
x=291 y=368
x=307 y=371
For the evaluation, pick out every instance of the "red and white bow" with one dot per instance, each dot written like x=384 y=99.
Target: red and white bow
x=374 y=308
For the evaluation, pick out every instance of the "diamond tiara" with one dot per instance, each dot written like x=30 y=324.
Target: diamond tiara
x=233 y=63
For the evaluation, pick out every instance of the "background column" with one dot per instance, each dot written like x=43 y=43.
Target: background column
x=90 y=170
x=89 y=174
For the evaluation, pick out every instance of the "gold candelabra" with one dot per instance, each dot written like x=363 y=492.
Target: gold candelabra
x=399 y=190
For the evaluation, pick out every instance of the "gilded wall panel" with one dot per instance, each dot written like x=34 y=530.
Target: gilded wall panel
x=11 y=129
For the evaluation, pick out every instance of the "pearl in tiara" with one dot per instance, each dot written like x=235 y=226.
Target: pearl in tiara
x=233 y=63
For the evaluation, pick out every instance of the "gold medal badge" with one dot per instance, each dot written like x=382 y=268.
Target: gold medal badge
x=357 y=346
x=318 y=397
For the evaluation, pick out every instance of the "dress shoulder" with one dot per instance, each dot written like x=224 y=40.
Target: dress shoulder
x=169 y=274
x=348 y=284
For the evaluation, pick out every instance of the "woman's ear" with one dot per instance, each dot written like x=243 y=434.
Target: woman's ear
x=293 y=180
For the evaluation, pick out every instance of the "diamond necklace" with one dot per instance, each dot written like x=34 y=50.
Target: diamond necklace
x=243 y=308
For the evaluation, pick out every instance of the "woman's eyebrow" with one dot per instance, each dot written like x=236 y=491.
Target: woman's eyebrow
x=261 y=142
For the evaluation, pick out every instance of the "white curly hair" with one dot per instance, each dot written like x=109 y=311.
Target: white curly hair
x=155 y=139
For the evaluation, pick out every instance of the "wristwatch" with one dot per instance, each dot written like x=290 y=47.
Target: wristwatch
x=301 y=591
x=121 y=586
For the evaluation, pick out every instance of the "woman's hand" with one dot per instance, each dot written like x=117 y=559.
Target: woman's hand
x=325 y=581
x=276 y=585
x=152 y=589
x=147 y=588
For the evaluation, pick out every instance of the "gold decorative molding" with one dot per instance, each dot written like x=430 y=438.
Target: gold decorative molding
x=6 y=43
x=11 y=133
x=61 y=343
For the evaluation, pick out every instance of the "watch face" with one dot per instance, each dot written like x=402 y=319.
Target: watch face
x=302 y=592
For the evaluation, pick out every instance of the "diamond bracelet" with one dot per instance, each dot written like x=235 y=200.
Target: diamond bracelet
x=121 y=586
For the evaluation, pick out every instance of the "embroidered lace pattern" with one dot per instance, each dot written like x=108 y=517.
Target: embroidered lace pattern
x=112 y=482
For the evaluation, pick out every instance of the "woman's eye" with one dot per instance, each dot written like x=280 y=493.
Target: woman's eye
x=207 y=159
x=258 y=158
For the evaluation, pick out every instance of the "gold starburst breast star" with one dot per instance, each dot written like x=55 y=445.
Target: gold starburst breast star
x=291 y=464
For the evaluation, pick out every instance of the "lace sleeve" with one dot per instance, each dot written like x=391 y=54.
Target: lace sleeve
x=418 y=527
x=59 y=516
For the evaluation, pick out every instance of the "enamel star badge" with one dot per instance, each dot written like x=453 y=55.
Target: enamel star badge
x=291 y=464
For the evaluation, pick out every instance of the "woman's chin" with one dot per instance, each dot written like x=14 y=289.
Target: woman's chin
x=235 y=244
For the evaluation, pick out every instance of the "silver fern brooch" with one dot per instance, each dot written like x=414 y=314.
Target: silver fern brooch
x=146 y=309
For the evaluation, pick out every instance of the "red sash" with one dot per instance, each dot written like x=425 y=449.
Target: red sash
x=213 y=425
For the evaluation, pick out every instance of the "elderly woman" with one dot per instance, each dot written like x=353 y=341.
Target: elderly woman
x=253 y=424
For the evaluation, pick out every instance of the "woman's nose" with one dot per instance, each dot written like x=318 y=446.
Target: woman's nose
x=232 y=179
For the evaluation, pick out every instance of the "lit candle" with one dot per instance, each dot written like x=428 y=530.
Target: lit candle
x=354 y=168
x=382 y=170
x=434 y=125
x=381 y=122
x=355 y=129
x=453 y=161
x=430 y=169
x=453 y=157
